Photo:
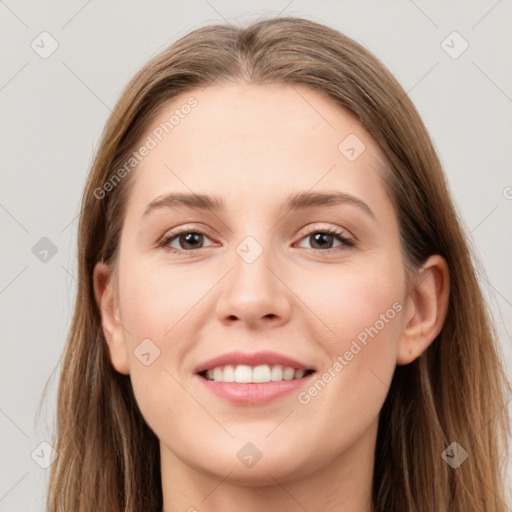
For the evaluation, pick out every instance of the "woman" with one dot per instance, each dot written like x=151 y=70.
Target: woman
x=277 y=306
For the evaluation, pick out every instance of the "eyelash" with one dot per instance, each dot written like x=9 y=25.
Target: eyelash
x=340 y=235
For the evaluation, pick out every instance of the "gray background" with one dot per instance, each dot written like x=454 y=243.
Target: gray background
x=53 y=111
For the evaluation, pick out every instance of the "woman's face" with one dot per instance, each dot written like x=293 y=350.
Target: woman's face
x=260 y=279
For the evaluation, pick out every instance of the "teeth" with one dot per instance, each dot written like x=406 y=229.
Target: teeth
x=229 y=373
x=277 y=373
x=299 y=374
x=261 y=373
x=288 y=373
x=243 y=373
x=246 y=374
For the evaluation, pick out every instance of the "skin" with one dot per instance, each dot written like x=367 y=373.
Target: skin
x=253 y=145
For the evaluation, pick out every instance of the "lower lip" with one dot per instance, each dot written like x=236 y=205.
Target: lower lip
x=254 y=393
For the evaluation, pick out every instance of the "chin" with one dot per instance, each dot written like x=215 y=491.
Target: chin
x=242 y=463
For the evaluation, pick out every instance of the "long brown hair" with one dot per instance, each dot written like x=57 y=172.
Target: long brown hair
x=454 y=392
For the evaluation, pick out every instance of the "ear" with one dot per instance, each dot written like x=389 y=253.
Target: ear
x=426 y=309
x=108 y=305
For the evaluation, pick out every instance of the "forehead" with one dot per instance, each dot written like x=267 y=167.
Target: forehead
x=245 y=140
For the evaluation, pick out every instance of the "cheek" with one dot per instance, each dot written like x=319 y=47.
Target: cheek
x=157 y=306
x=362 y=309
x=159 y=314
x=157 y=300
x=355 y=303
x=363 y=313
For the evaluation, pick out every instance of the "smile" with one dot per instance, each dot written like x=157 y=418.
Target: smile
x=253 y=378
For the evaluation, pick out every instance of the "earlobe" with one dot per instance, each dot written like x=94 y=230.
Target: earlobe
x=108 y=306
x=426 y=310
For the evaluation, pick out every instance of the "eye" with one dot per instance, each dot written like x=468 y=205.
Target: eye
x=187 y=239
x=323 y=239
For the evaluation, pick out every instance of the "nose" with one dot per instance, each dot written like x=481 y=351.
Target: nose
x=254 y=294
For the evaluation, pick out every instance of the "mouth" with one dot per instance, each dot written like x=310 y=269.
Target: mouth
x=253 y=379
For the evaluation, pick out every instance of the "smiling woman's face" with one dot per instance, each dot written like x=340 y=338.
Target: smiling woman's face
x=260 y=277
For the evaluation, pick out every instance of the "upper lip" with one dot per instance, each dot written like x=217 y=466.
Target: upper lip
x=255 y=359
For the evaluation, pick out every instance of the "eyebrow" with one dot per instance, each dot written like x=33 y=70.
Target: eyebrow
x=298 y=201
